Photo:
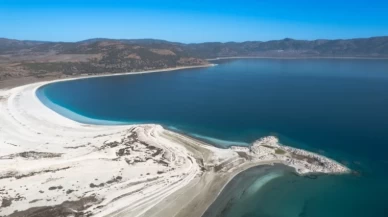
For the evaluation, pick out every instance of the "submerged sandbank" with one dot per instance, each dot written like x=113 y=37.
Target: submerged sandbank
x=242 y=187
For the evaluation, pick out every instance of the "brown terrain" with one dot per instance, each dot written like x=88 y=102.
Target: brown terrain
x=25 y=62
x=28 y=61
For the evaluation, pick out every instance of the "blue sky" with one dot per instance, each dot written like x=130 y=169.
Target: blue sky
x=192 y=21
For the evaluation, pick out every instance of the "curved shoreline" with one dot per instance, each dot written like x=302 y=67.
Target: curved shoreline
x=134 y=73
x=86 y=120
x=78 y=117
x=296 y=58
x=47 y=152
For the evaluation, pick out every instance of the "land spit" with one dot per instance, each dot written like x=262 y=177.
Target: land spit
x=53 y=166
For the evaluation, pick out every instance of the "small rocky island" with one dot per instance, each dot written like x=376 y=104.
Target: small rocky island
x=269 y=148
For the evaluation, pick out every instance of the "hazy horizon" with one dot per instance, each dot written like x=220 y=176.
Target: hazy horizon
x=377 y=36
x=191 y=22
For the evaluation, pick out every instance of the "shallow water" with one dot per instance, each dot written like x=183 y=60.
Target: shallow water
x=335 y=107
x=290 y=195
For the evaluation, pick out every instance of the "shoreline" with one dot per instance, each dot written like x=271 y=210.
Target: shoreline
x=135 y=73
x=141 y=165
x=224 y=200
x=18 y=81
x=296 y=58
x=82 y=76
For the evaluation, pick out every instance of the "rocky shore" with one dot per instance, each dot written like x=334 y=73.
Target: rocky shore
x=302 y=160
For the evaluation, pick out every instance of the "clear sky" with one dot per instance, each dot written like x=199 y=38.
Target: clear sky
x=192 y=20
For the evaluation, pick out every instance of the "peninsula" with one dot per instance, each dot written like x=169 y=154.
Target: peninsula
x=193 y=109
x=53 y=166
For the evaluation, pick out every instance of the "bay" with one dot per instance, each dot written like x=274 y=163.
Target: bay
x=336 y=107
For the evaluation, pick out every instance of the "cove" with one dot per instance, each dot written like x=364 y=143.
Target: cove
x=336 y=107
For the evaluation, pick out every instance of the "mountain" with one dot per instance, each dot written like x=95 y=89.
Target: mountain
x=102 y=55
x=368 y=47
x=8 y=45
x=39 y=59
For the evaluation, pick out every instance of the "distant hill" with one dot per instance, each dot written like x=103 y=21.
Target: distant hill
x=368 y=47
x=95 y=56
x=9 y=45
x=102 y=55
x=362 y=47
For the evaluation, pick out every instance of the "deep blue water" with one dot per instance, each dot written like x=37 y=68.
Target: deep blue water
x=335 y=107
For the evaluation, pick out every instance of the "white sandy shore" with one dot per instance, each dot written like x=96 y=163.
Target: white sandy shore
x=14 y=82
x=49 y=163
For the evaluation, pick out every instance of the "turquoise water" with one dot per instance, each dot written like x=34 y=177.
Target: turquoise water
x=334 y=107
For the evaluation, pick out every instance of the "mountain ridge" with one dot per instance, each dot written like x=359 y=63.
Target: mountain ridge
x=20 y=58
x=163 y=40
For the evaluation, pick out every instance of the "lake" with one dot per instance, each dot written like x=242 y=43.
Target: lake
x=336 y=107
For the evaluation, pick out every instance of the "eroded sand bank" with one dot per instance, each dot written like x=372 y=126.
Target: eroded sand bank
x=53 y=166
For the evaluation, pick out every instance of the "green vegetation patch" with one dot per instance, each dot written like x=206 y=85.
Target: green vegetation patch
x=280 y=151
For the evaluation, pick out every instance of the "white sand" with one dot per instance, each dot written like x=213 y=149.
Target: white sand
x=137 y=170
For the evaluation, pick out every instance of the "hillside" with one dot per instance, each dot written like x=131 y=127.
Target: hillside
x=101 y=55
x=20 y=58
x=368 y=47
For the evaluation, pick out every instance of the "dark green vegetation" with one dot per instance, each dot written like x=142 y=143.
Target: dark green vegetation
x=95 y=56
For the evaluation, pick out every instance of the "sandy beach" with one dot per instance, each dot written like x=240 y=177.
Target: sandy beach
x=53 y=166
